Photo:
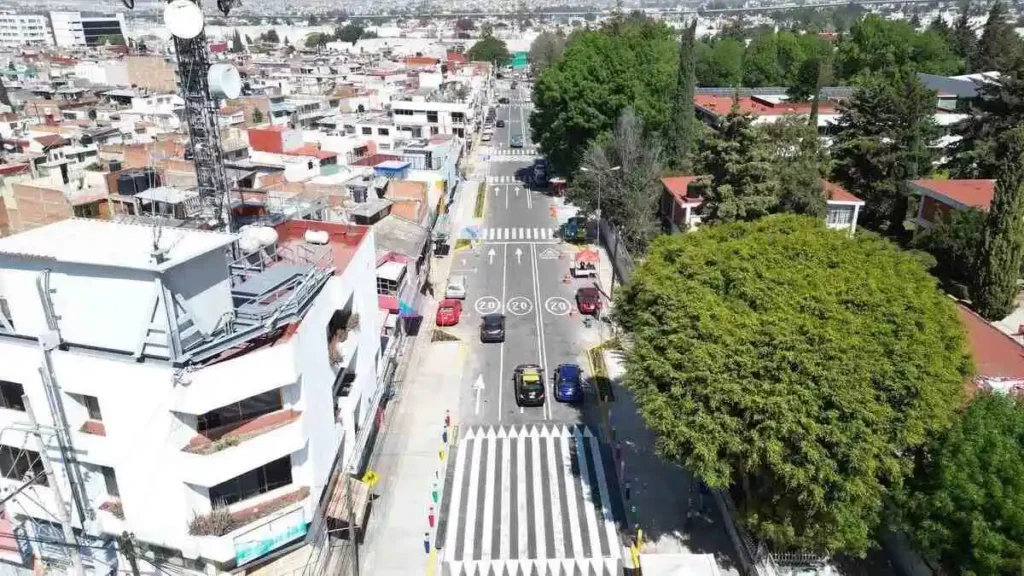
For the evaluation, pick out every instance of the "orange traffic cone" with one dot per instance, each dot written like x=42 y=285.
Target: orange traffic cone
x=566 y=279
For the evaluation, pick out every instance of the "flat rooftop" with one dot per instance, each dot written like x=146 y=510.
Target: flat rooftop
x=343 y=239
x=113 y=244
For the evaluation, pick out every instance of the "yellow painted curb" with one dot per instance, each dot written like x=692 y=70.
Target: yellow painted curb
x=431 y=561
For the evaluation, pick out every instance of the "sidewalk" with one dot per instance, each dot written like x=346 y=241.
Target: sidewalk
x=676 y=518
x=410 y=463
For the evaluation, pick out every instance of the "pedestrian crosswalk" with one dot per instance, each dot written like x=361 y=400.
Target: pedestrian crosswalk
x=514 y=152
x=503 y=179
x=528 y=501
x=510 y=233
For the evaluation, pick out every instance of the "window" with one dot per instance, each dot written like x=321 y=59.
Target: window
x=434 y=130
x=367 y=130
x=458 y=117
x=92 y=404
x=253 y=483
x=110 y=479
x=350 y=129
x=383 y=132
x=10 y=395
x=401 y=112
x=839 y=215
x=432 y=117
x=249 y=408
x=21 y=464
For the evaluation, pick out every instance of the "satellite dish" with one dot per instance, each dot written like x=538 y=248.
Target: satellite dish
x=225 y=82
x=184 y=19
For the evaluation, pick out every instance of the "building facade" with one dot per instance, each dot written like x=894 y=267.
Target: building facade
x=17 y=30
x=78 y=30
x=196 y=399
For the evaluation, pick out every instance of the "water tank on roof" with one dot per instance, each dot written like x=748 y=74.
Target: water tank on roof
x=131 y=182
x=115 y=165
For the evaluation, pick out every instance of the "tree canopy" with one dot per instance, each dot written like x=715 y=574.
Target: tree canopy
x=601 y=72
x=489 y=49
x=999 y=109
x=236 y=42
x=964 y=505
x=545 y=50
x=270 y=36
x=999 y=45
x=350 y=33
x=794 y=365
x=883 y=137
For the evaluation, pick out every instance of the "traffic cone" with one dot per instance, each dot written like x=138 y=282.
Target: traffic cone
x=565 y=279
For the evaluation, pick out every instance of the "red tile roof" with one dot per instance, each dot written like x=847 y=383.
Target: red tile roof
x=836 y=192
x=721 y=105
x=51 y=140
x=229 y=110
x=310 y=150
x=996 y=355
x=11 y=169
x=971 y=193
x=677 y=186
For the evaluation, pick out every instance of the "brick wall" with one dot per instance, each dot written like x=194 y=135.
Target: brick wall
x=37 y=206
x=153 y=73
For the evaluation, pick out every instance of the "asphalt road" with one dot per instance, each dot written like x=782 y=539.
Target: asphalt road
x=519 y=269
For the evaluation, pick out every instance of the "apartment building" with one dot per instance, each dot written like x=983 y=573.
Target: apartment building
x=17 y=30
x=420 y=117
x=199 y=388
x=80 y=30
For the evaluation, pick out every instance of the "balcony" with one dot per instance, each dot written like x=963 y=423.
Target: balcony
x=229 y=451
x=254 y=527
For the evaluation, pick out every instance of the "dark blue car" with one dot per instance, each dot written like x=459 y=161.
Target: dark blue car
x=568 y=383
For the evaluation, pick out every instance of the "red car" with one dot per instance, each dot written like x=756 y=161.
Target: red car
x=449 y=312
x=588 y=300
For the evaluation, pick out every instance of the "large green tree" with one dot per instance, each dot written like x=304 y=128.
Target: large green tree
x=489 y=49
x=761 y=62
x=800 y=163
x=964 y=507
x=350 y=33
x=994 y=293
x=236 y=42
x=999 y=108
x=795 y=366
x=883 y=138
x=954 y=244
x=999 y=44
x=876 y=45
x=964 y=41
x=681 y=133
x=720 y=63
x=738 y=161
x=600 y=73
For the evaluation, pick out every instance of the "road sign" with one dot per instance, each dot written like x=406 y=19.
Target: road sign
x=548 y=254
x=558 y=306
x=487 y=305
x=520 y=306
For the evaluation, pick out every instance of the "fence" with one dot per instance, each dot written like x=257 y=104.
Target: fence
x=622 y=261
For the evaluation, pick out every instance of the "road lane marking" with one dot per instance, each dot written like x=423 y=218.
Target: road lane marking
x=538 y=498
x=489 y=482
x=506 y=496
x=453 y=514
x=501 y=351
x=541 y=341
x=474 y=489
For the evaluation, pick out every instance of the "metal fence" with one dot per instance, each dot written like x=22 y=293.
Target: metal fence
x=622 y=260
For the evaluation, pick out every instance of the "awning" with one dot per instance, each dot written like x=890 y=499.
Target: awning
x=588 y=257
x=348 y=502
x=389 y=303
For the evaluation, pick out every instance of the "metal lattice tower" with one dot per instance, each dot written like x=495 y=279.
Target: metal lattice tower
x=203 y=129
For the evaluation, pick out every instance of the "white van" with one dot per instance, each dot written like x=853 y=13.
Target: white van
x=456 y=288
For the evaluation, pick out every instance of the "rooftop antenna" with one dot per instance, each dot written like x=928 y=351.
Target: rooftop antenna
x=202 y=87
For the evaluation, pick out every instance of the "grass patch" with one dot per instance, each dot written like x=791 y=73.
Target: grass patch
x=600 y=374
x=437 y=335
x=612 y=344
x=481 y=196
x=463 y=243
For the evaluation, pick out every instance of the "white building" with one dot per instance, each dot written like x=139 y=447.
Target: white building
x=202 y=401
x=418 y=117
x=17 y=30
x=76 y=30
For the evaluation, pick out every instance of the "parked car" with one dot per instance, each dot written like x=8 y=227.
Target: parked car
x=516 y=142
x=575 y=229
x=492 y=328
x=528 y=382
x=456 y=288
x=449 y=312
x=503 y=100
x=487 y=136
x=588 y=300
x=568 y=383
x=500 y=123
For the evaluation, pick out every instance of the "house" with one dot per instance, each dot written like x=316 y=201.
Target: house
x=682 y=198
x=176 y=416
x=939 y=198
x=998 y=357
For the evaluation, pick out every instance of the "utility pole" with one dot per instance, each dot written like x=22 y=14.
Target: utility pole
x=62 y=509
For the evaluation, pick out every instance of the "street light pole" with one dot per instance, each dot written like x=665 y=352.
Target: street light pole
x=600 y=181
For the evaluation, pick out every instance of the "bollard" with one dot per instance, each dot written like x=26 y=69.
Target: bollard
x=447 y=419
x=440 y=454
x=626 y=491
x=618 y=447
x=434 y=493
x=426 y=542
x=444 y=437
x=614 y=431
x=430 y=517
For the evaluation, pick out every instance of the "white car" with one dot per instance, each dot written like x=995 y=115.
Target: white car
x=456 y=288
x=486 y=137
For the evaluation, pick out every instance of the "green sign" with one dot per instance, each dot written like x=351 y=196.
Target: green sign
x=269 y=537
x=519 y=60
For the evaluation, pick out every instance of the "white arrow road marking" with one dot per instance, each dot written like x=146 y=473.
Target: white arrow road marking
x=490 y=256
x=519 y=255
x=478 y=387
